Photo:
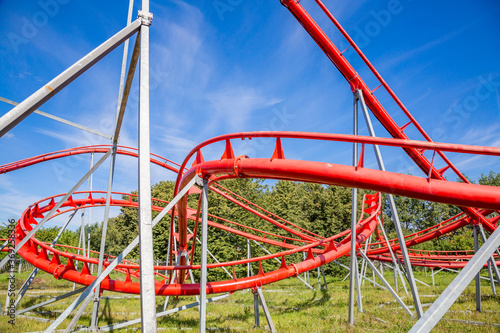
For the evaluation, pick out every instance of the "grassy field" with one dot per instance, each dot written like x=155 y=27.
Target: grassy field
x=293 y=307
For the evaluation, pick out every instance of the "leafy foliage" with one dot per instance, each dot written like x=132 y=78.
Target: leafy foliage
x=322 y=209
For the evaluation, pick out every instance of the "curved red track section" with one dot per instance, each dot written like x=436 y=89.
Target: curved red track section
x=320 y=250
x=478 y=202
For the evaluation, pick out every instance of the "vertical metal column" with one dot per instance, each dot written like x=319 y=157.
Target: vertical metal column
x=374 y=276
x=353 y=278
x=394 y=266
x=97 y=297
x=478 y=276
x=256 y=308
x=392 y=204
x=457 y=286
x=492 y=262
x=90 y=209
x=204 y=248
x=249 y=255
x=148 y=303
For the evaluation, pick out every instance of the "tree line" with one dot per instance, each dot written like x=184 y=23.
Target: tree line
x=322 y=209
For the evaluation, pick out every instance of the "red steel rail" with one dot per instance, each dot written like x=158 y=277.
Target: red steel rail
x=357 y=83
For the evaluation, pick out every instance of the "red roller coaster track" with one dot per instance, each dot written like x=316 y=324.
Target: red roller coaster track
x=480 y=204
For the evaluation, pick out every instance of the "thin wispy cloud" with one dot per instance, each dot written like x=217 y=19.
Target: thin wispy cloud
x=73 y=138
x=482 y=135
x=175 y=144
x=392 y=61
x=234 y=107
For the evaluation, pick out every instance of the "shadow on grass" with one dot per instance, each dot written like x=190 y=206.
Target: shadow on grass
x=106 y=313
x=309 y=303
x=173 y=301
x=238 y=316
x=467 y=298
x=177 y=321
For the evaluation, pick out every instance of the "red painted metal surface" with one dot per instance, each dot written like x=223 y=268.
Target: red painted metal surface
x=357 y=83
x=326 y=249
x=478 y=202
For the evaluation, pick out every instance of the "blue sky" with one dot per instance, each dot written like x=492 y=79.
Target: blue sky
x=226 y=66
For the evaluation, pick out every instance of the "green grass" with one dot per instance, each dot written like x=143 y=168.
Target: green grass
x=293 y=308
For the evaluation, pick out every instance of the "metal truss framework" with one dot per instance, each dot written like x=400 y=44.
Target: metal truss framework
x=478 y=202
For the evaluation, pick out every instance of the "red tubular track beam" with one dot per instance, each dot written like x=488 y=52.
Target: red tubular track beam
x=122 y=150
x=461 y=194
x=372 y=102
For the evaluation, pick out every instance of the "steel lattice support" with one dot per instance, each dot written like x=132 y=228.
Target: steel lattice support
x=148 y=303
x=394 y=211
x=476 y=201
x=354 y=278
x=204 y=250
x=438 y=309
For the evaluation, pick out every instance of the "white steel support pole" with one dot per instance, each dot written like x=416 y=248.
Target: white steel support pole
x=353 y=278
x=492 y=281
x=478 y=276
x=82 y=240
x=148 y=302
x=392 y=204
x=97 y=297
x=90 y=209
x=249 y=264
x=492 y=263
x=204 y=249
x=457 y=286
